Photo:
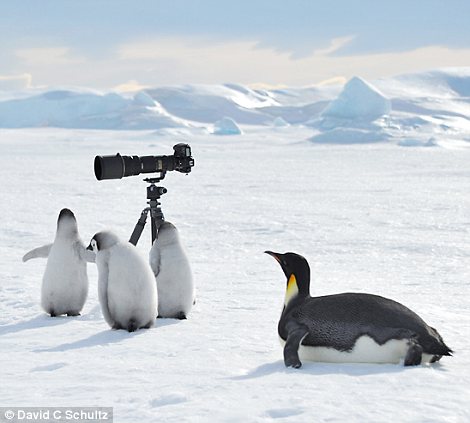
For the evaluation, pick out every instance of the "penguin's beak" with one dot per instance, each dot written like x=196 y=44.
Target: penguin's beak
x=275 y=255
x=89 y=247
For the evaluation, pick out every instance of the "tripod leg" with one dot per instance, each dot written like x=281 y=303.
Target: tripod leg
x=156 y=223
x=139 y=227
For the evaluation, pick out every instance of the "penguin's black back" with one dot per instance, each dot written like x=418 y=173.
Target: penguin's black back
x=339 y=320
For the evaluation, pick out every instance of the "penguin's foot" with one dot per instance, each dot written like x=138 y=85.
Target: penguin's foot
x=291 y=349
x=52 y=313
x=73 y=313
x=148 y=325
x=132 y=325
x=435 y=358
x=293 y=362
x=181 y=316
x=414 y=354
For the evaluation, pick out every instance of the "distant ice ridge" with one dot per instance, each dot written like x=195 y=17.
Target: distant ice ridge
x=226 y=126
x=90 y=110
x=408 y=110
x=349 y=118
x=358 y=100
x=279 y=122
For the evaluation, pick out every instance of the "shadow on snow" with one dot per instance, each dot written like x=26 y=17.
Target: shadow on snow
x=103 y=338
x=319 y=369
x=38 y=322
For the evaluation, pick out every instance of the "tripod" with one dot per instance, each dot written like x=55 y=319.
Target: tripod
x=156 y=215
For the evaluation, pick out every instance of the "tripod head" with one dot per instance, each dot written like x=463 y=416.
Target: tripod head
x=156 y=179
x=156 y=215
x=154 y=192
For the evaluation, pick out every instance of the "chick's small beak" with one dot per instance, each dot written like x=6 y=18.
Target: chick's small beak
x=89 y=247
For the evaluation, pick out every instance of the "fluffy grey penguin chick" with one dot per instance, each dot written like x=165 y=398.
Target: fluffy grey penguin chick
x=173 y=274
x=65 y=281
x=349 y=327
x=126 y=285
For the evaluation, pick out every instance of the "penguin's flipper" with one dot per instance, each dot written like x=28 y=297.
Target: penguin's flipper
x=38 y=252
x=414 y=354
x=155 y=260
x=88 y=256
x=295 y=333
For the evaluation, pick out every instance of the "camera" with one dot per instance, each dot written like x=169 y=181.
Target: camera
x=117 y=167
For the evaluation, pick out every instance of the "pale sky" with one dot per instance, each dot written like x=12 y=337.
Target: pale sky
x=109 y=44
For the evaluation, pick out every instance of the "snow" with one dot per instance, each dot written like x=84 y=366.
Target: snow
x=349 y=136
x=369 y=217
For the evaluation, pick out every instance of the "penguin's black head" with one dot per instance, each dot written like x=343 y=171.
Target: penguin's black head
x=66 y=213
x=94 y=245
x=167 y=233
x=66 y=224
x=102 y=240
x=296 y=269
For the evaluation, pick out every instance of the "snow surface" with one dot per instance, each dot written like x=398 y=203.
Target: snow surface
x=371 y=218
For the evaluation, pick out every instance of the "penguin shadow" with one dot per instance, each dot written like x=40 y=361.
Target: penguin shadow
x=164 y=321
x=321 y=369
x=36 y=323
x=103 y=338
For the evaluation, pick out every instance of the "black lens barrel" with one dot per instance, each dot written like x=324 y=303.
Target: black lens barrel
x=117 y=167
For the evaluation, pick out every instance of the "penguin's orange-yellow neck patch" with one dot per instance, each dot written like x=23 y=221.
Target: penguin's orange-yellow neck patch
x=292 y=289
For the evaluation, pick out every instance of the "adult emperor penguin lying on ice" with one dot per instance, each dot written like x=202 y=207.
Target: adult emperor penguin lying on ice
x=349 y=327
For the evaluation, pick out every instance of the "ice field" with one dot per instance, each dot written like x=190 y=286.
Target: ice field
x=386 y=216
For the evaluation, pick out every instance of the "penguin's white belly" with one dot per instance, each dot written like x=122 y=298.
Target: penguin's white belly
x=365 y=350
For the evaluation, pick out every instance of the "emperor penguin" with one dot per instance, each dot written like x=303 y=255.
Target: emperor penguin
x=65 y=281
x=173 y=274
x=126 y=285
x=349 y=327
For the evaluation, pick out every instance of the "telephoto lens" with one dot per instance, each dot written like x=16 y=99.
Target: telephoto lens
x=117 y=167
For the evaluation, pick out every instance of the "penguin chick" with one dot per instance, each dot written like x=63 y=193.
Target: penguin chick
x=349 y=327
x=173 y=274
x=126 y=285
x=65 y=282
